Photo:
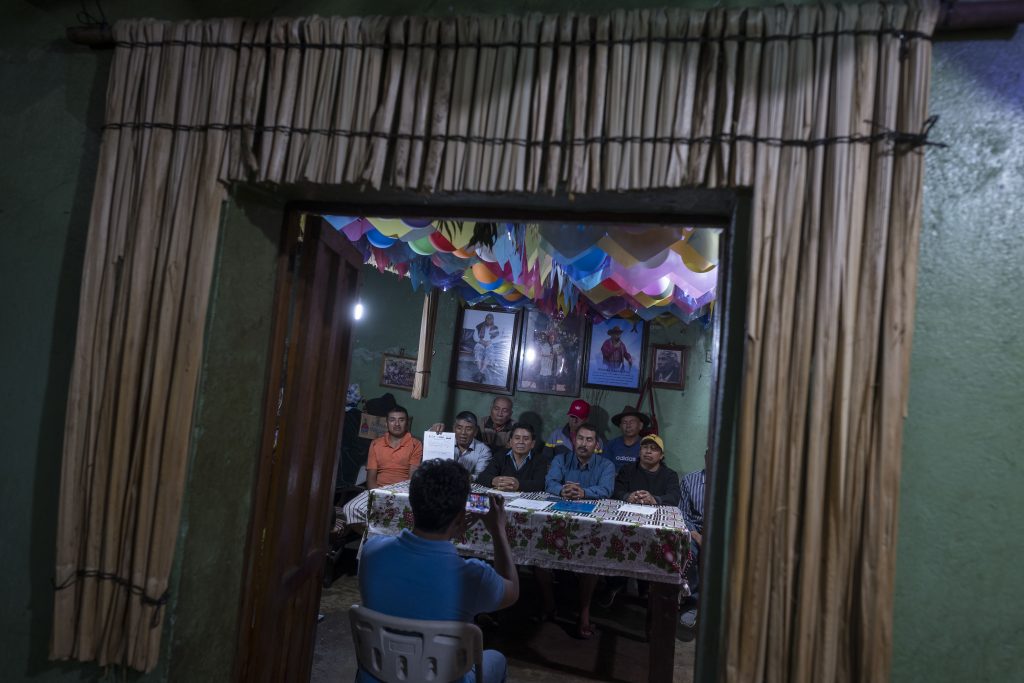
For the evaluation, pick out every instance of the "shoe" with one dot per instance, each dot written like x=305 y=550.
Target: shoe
x=584 y=631
x=607 y=599
x=688 y=619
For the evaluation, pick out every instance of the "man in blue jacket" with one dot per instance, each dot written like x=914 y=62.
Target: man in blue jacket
x=577 y=475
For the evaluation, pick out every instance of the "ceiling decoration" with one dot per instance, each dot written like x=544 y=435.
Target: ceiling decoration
x=597 y=270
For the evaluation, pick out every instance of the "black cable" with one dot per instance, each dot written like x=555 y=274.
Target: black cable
x=902 y=139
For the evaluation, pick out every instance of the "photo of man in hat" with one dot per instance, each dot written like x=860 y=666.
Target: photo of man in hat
x=614 y=351
x=625 y=449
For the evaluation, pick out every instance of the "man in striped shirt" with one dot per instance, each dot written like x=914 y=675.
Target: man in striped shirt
x=691 y=503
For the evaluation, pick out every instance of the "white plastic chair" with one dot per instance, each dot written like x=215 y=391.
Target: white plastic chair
x=397 y=650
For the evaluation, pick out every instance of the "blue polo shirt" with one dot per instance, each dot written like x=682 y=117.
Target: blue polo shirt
x=411 y=577
x=620 y=454
x=596 y=478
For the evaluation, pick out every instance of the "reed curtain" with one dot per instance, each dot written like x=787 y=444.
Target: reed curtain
x=812 y=107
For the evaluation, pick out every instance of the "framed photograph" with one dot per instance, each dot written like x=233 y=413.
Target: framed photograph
x=486 y=349
x=397 y=371
x=550 y=355
x=615 y=354
x=668 y=369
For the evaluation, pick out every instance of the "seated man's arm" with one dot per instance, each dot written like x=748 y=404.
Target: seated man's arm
x=416 y=457
x=490 y=472
x=371 y=468
x=605 y=483
x=495 y=521
x=482 y=461
x=556 y=477
x=621 y=491
x=537 y=471
x=671 y=495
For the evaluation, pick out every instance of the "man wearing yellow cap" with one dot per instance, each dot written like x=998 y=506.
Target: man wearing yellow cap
x=648 y=481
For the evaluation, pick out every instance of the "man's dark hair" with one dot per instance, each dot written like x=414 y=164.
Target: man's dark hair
x=467 y=416
x=399 y=409
x=524 y=425
x=437 y=493
x=589 y=426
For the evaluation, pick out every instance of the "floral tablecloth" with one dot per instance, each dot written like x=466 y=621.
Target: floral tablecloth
x=606 y=541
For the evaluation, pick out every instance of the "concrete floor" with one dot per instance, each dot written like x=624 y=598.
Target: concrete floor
x=535 y=652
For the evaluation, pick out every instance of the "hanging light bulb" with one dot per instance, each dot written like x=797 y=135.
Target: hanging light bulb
x=358 y=310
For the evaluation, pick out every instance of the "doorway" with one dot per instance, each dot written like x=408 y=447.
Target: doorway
x=635 y=208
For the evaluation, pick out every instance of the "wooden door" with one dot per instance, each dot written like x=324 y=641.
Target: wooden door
x=317 y=282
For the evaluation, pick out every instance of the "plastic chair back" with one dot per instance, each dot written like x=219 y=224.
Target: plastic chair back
x=397 y=650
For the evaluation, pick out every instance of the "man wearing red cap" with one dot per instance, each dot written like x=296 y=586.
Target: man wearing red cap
x=562 y=440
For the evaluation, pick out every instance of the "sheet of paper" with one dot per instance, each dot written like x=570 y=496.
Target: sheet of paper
x=528 y=504
x=438 y=445
x=639 y=509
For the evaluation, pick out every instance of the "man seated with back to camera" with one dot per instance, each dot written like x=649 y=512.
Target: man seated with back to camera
x=419 y=575
x=522 y=468
x=470 y=452
x=575 y=475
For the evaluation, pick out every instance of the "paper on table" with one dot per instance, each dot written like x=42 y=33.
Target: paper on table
x=528 y=504
x=438 y=445
x=639 y=509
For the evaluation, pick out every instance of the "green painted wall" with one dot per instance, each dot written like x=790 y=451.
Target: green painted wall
x=958 y=588
x=959 y=577
x=392 y=321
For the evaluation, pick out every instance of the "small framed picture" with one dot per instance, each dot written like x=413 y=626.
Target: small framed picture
x=669 y=366
x=486 y=349
x=550 y=355
x=397 y=371
x=615 y=353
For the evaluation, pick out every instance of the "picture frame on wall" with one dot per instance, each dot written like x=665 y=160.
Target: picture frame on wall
x=615 y=354
x=550 y=354
x=668 y=366
x=485 y=353
x=398 y=372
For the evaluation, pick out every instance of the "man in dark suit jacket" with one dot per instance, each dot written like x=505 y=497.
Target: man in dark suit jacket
x=520 y=469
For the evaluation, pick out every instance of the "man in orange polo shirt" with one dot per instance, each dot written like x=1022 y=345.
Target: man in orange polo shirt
x=396 y=455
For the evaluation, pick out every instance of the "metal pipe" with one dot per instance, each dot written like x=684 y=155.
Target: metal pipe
x=956 y=16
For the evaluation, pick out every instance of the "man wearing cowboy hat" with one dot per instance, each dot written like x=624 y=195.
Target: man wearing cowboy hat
x=625 y=449
x=614 y=351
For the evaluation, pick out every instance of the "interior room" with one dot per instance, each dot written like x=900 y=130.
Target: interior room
x=569 y=285
x=155 y=158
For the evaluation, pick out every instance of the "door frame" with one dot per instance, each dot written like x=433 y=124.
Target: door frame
x=729 y=209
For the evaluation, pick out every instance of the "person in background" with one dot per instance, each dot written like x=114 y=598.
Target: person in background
x=497 y=428
x=648 y=481
x=691 y=503
x=396 y=455
x=614 y=351
x=393 y=457
x=470 y=452
x=419 y=575
x=625 y=449
x=562 y=440
x=520 y=469
x=576 y=475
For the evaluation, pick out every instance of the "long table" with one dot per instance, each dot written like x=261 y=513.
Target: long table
x=607 y=541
